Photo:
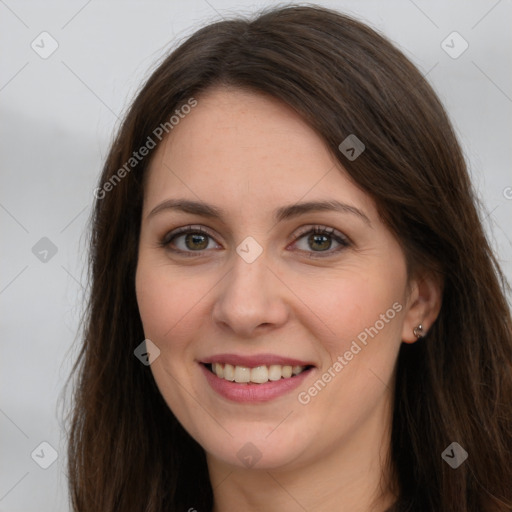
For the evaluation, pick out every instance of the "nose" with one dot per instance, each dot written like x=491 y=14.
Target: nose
x=251 y=299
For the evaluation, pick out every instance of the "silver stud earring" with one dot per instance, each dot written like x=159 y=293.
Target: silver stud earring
x=418 y=331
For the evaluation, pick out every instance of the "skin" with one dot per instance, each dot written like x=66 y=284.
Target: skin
x=249 y=154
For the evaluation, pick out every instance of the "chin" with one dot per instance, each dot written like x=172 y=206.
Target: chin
x=253 y=448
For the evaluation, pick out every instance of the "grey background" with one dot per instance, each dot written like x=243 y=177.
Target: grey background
x=57 y=119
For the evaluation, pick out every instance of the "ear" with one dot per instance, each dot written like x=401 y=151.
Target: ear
x=423 y=305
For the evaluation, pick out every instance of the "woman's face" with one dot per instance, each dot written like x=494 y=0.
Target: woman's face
x=261 y=261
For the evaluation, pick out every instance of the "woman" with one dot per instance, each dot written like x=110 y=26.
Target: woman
x=293 y=303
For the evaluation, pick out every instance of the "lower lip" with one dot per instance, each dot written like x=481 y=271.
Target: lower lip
x=253 y=393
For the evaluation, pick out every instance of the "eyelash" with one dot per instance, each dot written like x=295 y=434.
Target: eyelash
x=317 y=230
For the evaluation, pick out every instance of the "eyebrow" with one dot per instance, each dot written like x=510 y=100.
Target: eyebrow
x=280 y=214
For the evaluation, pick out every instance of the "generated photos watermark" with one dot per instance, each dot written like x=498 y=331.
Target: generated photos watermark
x=305 y=397
x=454 y=455
x=146 y=352
x=137 y=156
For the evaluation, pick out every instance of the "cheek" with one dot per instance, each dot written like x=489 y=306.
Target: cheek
x=168 y=309
x=353 y=304
x=166 y=299
x=364 y=313
x=157 y=307
x=363 y=308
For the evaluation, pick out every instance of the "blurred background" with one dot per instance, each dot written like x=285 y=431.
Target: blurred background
x=68 y=71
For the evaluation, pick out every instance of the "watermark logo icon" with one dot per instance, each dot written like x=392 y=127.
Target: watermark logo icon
x=147 y=352
x=454 y=455
x=249 y=250
x=454 y=45
x=352 y=147
x=44 y=45
x=44 y=250
x=44 y=455
x=249 y=455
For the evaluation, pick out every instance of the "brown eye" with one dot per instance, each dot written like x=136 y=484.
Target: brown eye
x=319 y=242
x=196 y=241
x=188 y=240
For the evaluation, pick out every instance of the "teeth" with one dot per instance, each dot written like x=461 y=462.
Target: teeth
x=242 y=374
x=287 y=372
x=229 y=372
x=257 y=375
x=218 y=369
x=297 y=369
x=274 y=372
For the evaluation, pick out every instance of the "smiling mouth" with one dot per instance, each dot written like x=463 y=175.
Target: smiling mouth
x=257 y=375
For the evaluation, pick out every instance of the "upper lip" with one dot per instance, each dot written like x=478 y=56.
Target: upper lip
x=255 y=360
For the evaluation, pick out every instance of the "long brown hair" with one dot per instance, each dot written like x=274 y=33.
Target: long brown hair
x=127 y=451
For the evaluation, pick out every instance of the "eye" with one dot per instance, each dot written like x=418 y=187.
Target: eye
x=321 y=239
x=318 y=241
x=189 y=239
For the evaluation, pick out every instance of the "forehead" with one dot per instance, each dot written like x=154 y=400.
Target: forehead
x=244 y=148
